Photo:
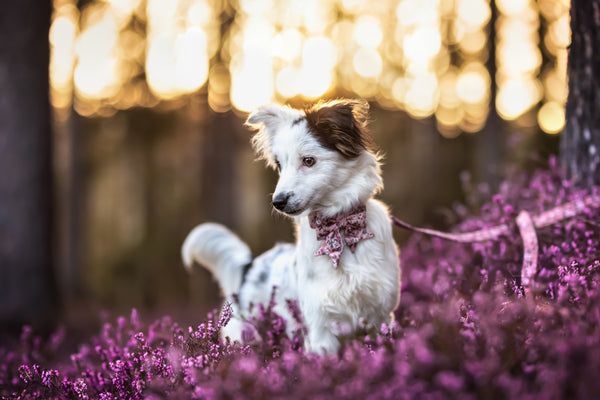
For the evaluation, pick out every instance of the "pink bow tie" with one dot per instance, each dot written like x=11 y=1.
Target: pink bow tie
x=352 y=225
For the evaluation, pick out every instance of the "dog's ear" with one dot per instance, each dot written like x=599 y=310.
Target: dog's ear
x=266 y=117
x=266 y=121
x=341 y=125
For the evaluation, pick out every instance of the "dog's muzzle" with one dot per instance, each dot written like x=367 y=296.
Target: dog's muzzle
x=281 y=200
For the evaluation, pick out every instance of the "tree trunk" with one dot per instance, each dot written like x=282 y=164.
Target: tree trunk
x=27 y=293
x=580 y=142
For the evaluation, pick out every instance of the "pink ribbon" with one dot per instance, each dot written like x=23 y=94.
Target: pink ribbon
x=334 y=231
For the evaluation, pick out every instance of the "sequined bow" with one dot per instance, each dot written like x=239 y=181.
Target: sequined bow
x=334 y=231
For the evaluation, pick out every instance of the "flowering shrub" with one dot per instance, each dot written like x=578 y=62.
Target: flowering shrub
x=465 y=328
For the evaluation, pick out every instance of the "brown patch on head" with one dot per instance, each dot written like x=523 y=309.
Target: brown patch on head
x=341 y=125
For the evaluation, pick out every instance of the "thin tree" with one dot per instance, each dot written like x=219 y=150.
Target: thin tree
x=26 y=280
x=580 y=142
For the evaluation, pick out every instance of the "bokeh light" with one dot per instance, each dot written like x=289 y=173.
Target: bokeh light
x=425 y=57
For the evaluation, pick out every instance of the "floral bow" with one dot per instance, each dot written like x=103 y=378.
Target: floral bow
x=334 y=231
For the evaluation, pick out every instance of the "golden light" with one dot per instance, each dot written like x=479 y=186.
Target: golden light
x=559 y=32
x=449 y=117
x=256 y=7
x=472 y=85
x=555 y=86
x=315 y=83
x=319 y=58
x=551 y=117
x=399 y=88
x=160 y=66
x=96 y=72
x=219 y=87
x=199 y=14
x=251 y=82
x=552 y=9
x=316 y=15
x=177 y=57
x=319 y=52
x=62 y=39
x=448 y=95
x=124 y=8
x=367 y=62
x=367 y=32
x=191 y=62
x=161 y=15
x=473 y=42
x=287 y=82
x=513 y=7
x=519 y=28
x=516 y=96
x=422 y=96
x=287 y=44
x=518 y=58
x=448 y=120
x=522 y=57
x=422 y=44
x=352 y=6
x=411 y=12
x=474 y=13
x=427 y=57
x=257 y=36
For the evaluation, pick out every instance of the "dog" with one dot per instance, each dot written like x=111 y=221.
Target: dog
x=344 y=269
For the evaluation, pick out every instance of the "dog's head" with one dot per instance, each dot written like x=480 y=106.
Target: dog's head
x=323 y=154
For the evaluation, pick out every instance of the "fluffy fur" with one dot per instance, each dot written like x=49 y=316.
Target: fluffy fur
x=326 y=164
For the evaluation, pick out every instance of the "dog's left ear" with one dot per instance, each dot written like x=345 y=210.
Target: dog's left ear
x=341 y=125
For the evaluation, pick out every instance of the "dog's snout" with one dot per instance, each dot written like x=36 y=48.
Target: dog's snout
x=281 y=200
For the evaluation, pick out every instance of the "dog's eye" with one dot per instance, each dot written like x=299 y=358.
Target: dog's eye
x=308 y=161
x=278 y=165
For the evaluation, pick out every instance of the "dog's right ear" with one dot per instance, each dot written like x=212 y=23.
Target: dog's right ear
x=266 y=117
x=267 y=120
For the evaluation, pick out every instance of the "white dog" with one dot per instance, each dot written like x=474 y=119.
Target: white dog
x=344 y=269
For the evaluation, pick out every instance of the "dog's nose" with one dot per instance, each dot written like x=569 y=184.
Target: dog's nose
x=281 y=200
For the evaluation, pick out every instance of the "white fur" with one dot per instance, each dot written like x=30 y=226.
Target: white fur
x=362 y=292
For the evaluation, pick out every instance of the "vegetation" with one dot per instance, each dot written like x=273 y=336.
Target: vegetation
x=466 y=328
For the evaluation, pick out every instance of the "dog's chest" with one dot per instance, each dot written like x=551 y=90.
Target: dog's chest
x=319 y=270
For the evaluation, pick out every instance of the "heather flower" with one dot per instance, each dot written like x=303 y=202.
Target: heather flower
x=466 y=327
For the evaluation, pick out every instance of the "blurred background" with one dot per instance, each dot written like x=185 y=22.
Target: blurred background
x=149 y=97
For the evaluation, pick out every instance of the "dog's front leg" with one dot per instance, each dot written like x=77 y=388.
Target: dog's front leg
x=322 y=341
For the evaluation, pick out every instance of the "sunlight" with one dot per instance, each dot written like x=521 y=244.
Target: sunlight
x=319 y=58
x=472 y=85
x=420 y=56
x=191 y=62
x=287 y=44
x=551 y=117
x=422 y=44
x=62 y=37
x=367 y=62
x=96 y=72
x=517 y=96
x=287 y=82
x=474 y=13
x=417 y=12
x=199 y=14
x=422 y=95
x=367 y=32
x=513 y=7
x=252 y=84
x=518 y=59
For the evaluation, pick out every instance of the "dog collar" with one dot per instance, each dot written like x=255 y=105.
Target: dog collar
x=348 y=228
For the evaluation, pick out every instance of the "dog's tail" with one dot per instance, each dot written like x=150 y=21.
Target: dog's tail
x=220 y=251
